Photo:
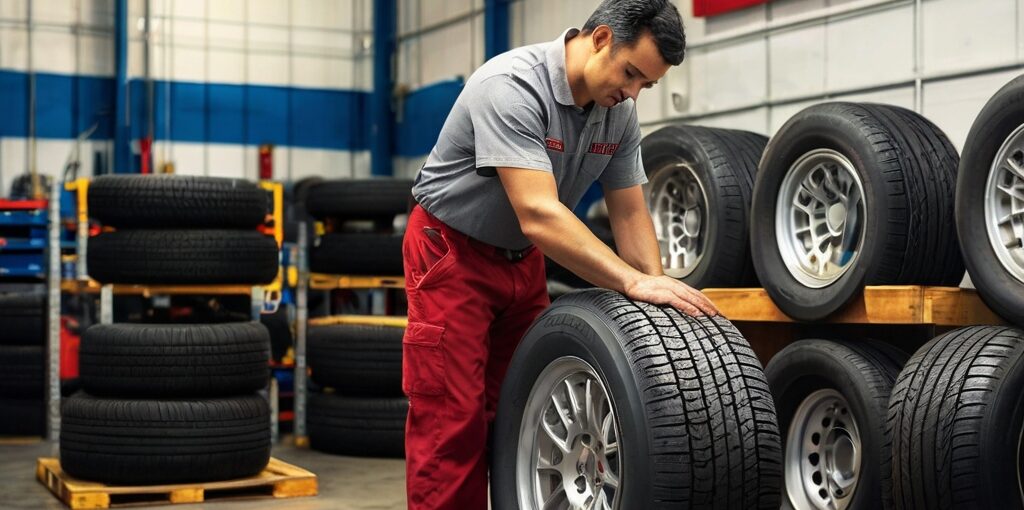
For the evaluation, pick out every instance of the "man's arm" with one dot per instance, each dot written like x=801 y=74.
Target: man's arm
x=633 y=229
x=558 y=233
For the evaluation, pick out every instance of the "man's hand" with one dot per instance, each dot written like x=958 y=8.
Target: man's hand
x=665 y=290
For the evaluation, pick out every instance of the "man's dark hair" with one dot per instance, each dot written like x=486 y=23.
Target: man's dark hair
x=629 y=19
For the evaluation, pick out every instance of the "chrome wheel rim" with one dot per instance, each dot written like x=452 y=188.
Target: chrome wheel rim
x=820 y=218
x=823 y=453
x=568 y=455
x=1004 y=204
x=679 y=208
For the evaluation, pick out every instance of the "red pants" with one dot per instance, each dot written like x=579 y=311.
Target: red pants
x=468 y=308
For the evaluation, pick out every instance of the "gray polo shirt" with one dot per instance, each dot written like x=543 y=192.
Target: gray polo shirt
x=517 y=111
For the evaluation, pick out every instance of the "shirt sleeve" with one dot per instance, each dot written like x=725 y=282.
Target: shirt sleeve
x=626 y=168
x=508 y=125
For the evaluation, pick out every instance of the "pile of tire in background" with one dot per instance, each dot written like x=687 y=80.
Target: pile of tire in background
x=853 y=194
x=171 y=403
x=22 y=367
x=361 y=410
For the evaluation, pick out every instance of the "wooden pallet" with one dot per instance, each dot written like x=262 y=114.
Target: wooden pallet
x=890 y=304
x=278 y=480
x=361 y=320
x=320 y=281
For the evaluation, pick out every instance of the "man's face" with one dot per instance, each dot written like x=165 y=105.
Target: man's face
x=613 y=76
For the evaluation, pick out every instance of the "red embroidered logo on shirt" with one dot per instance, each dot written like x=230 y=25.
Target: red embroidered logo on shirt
x=606 y=149
x=555 y=145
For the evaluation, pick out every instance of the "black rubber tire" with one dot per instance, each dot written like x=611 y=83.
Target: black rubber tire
x=725 y=162
x=22 y=417
x=361 y=427
x=174 y=360
x=908 y=169
x=863 y=372
x=357 y=254
x=22 y=319
x=370 y=199
x=295 y=197
x=956 y=417
x=357 y=361
x=21 y=371
x=176 y=201
x=690 y=398
x=183 y=257
x=153 y=442
x=1000 y=117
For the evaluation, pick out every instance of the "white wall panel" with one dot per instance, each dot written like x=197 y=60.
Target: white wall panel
x=227 y=10
x=324 y=14
x=14 y=10
x=753 y=120
x=13 y=48
x=54 y=52
x=226 y=35
x=269 y=39
x=226 y=67
x=754 y=17
x=960 y=34
x=361 y=164
x=783 y=9
x=188 y=158
x=779 y=115
x=902 y=96
x=188 y=64
x=447 y=53
x=407 y=168
x=226 y=161
x=267 y=69
x=797 y=63
x=269 y=12
x=325 y=163
x=731 y=76
x=866 y=50
x=321 y=72
x=953 y=104
x=195 y=9
x=54 y=11
x=96 y=55
x=433 y=12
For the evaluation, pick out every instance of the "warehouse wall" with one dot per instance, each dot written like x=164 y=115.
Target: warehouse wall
x=227 y=76
x=440 y=43
x=753 y=69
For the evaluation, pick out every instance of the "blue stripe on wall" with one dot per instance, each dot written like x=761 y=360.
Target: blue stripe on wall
x=221 y=113
x=423 y=115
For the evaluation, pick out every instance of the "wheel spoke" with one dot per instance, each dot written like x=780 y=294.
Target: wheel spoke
x=576 y=417
x=559 y=442
x=1015 y=168
x=560 y=409
x=555 y=501
x=1013 y=191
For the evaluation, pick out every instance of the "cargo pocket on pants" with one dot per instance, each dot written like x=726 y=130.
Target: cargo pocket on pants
x=423 y=363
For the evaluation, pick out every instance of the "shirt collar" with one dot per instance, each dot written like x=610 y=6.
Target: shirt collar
x=556 y=68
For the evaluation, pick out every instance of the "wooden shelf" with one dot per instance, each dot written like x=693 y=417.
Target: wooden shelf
x=320 y=281
x=903 y=304
x=93 y=287
x=361 y=320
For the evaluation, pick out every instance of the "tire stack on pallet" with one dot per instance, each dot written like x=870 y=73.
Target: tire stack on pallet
x=362 y=410
x=173 y=403
x=22 y=366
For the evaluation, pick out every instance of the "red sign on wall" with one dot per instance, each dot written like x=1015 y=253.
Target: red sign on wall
x=713 y=7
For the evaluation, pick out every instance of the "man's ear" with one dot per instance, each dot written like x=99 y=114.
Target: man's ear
x=601 y=37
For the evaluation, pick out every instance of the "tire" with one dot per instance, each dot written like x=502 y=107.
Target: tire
x=370 y=199
x=177 y=201
x=890 y=158
x=693 y=409
x=172 y=360
x=22 y=417
x=153 y=442
x=362 y=427
x=295 y=197
x=21 y=371
x=357 y=361
x=22 y=319
x=183 y=257
x=808 y=378
x=719 y=166
x=996 y=269
x=956 y=418
x=357 y=254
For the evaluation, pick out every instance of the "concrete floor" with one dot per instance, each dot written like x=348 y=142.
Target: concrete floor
x=346 y=483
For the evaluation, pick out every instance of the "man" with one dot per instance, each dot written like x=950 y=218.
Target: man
x=531 y=131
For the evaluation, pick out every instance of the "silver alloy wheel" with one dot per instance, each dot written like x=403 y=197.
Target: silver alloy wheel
x=679 y=208
x=1004 y=204
x=568 y=456
x=820 y=218
x=823 y=453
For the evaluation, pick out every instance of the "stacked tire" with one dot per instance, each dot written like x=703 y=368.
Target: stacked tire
x=853 y=194
x=362 y=411
x=173 y=403
x=363 y=235
x=22 y=367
